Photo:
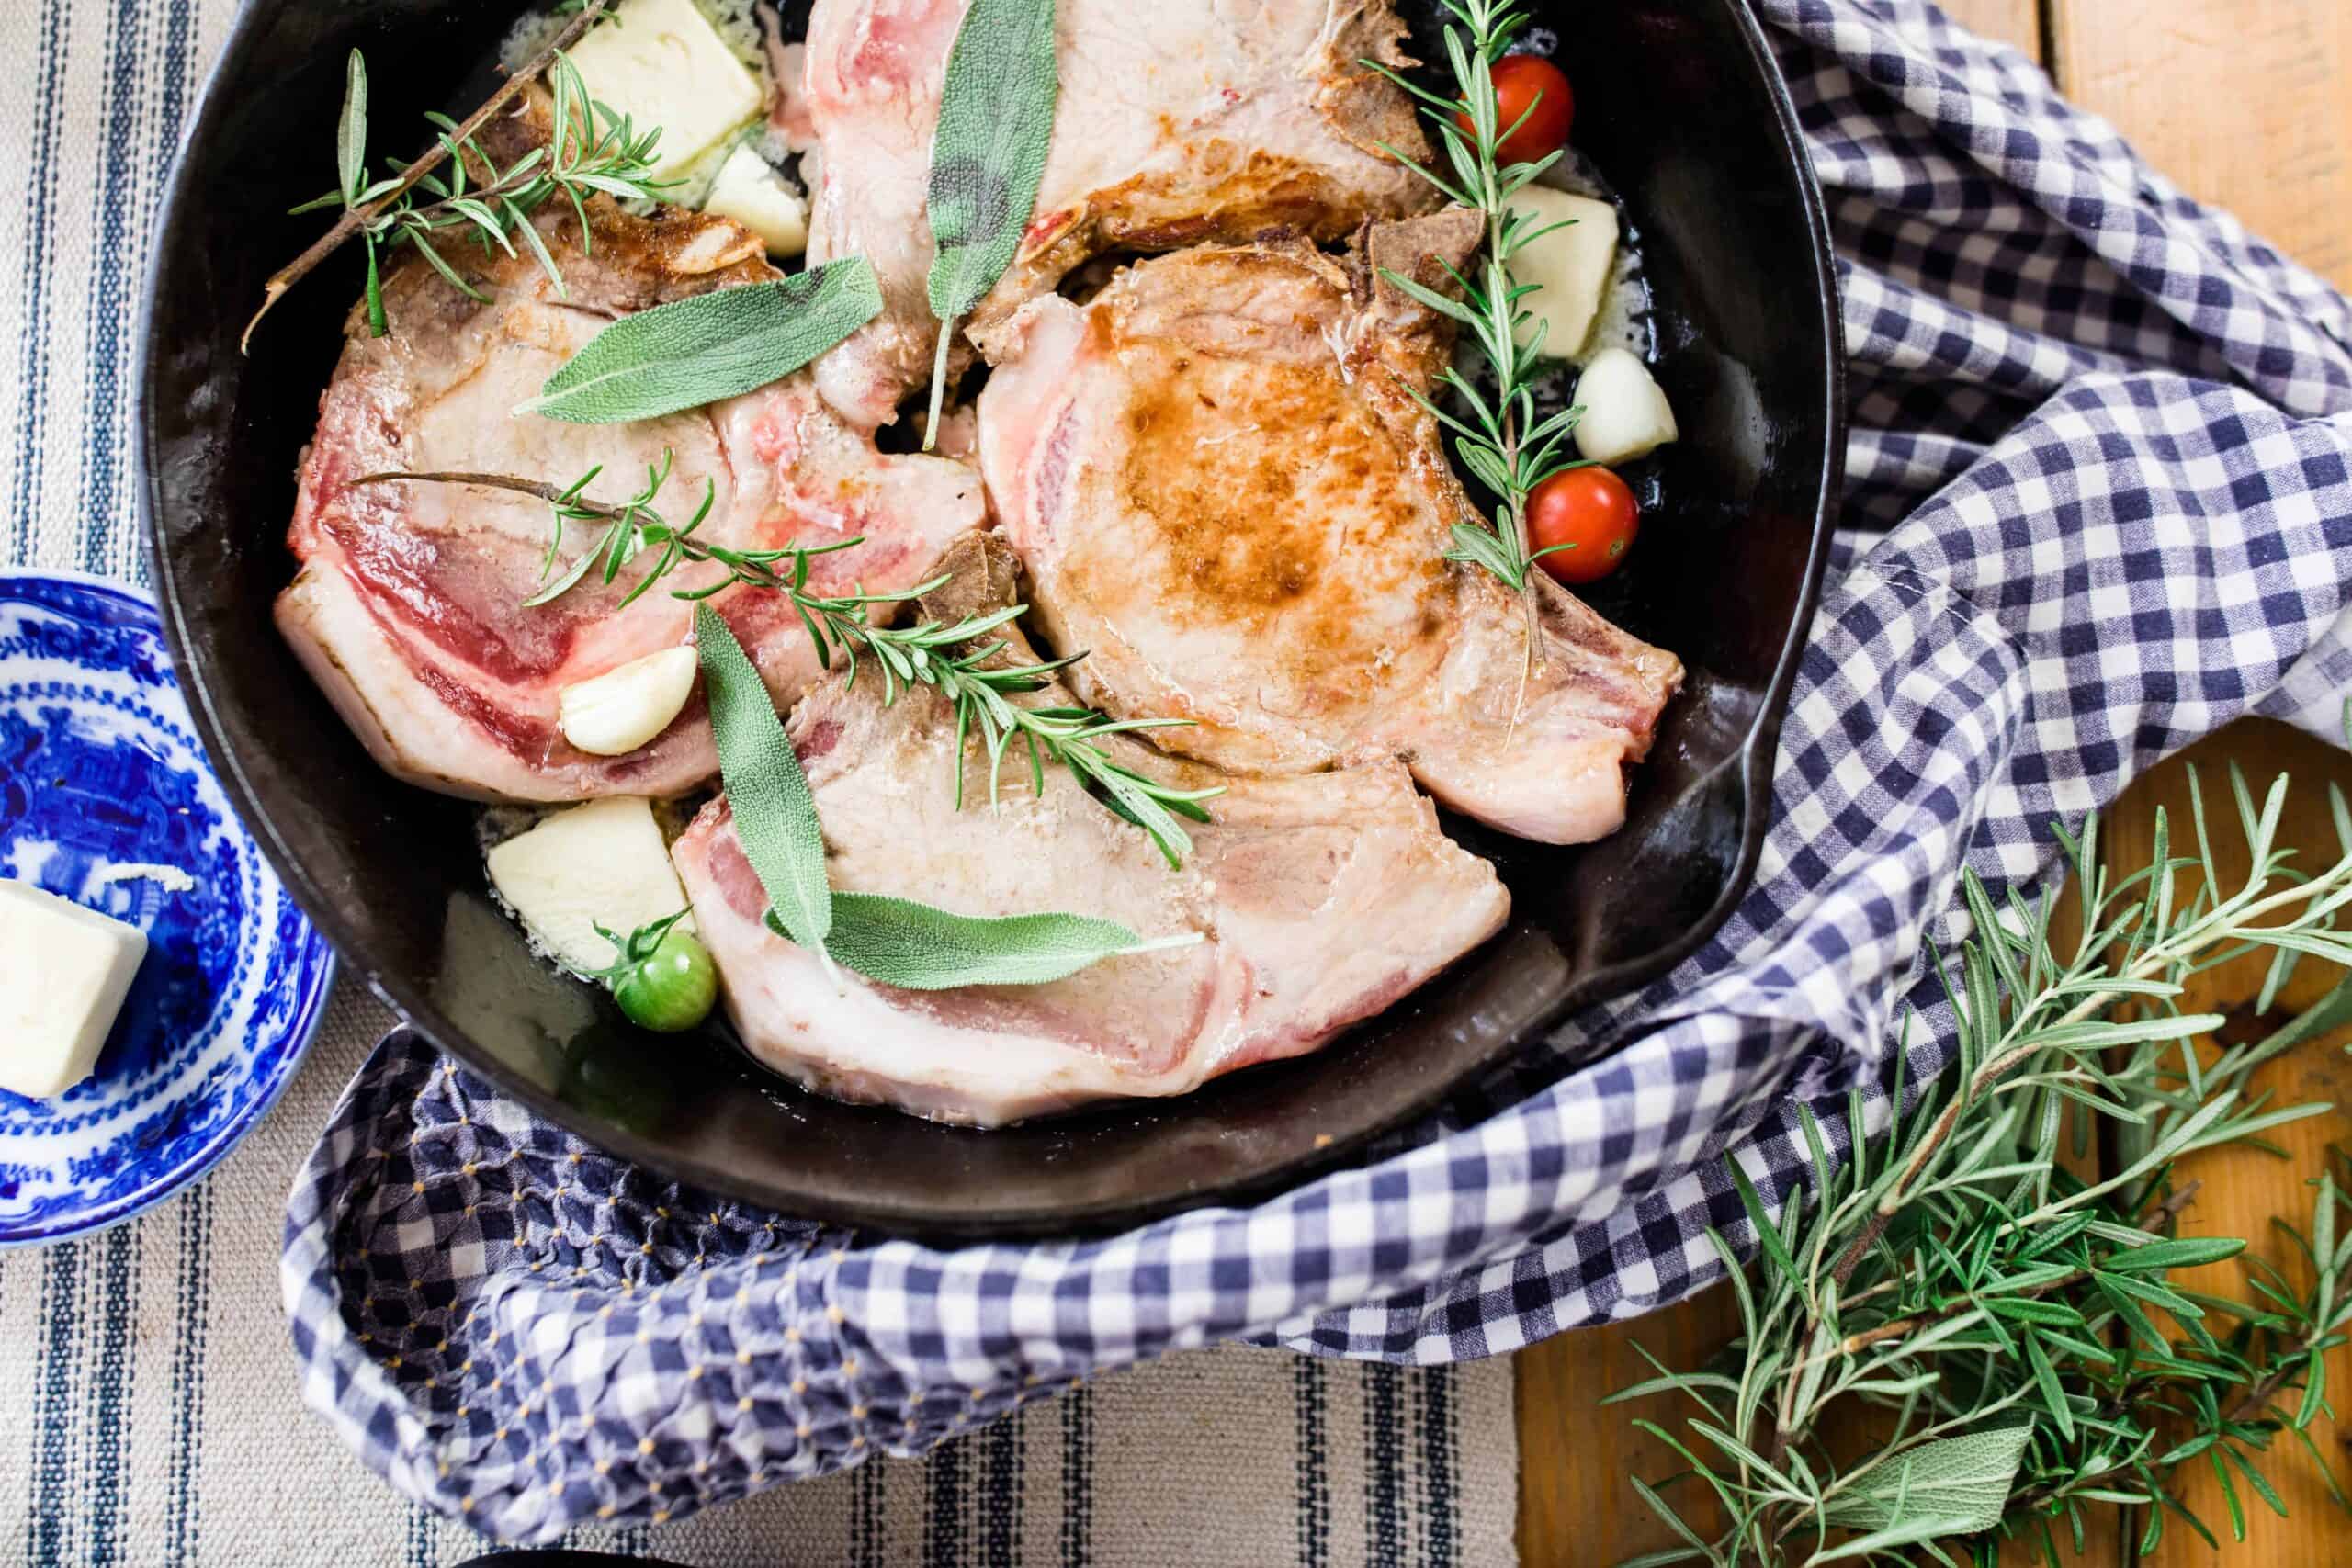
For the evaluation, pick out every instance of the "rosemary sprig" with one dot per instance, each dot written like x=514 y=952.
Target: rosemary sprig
x=1993 y=1311
x=958 y=659
x=590 y=150
x=1497 y=435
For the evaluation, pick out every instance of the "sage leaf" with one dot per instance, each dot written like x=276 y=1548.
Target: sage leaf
x=775 y=816
x=719 y=344
x=996 y=120
x=1961 y=1483
x=918 y=948
x=987 y=155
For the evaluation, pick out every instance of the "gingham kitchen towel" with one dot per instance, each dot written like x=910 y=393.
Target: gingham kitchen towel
x=149 y=1413
x=2111 y=433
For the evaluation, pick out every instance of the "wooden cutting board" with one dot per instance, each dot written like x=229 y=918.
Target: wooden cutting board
x=2248 y=103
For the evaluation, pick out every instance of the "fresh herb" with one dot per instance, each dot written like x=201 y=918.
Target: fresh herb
x=591 y=150
x=955 y=661
x=628 y=528
x=1497 y=435
x=708 y=346
x=775 y=816
x=918 y=948
x=662 y=976
x=996 y=123
x=895 y=941
x=1998 y=1318
x=953 y=658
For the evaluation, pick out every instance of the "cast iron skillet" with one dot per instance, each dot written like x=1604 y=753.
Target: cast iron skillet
x=1680 y=104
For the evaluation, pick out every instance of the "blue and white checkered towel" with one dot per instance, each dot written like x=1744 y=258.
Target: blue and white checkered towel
x=2111 y=435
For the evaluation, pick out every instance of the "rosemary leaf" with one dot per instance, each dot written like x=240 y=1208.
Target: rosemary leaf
x=351 y=130
x=387 y=213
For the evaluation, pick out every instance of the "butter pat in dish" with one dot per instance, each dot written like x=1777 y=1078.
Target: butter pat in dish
x=661 y=63
x=63 y=973
x=755 y=196
x=1569 y=261
x=602 y=863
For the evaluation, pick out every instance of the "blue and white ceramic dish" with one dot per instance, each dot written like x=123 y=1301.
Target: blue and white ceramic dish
x=105 y=798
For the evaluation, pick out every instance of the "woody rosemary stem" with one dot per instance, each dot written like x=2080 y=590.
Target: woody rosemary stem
x=356 y=219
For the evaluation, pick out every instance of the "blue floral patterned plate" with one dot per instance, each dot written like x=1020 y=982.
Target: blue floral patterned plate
x=105 y=798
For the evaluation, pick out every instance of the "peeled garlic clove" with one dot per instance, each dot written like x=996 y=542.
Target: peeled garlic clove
x=615 y=713
x=1625 y=413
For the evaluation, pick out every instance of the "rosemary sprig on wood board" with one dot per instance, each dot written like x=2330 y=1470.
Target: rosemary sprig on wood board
x=1998 y=1319
x=958 y=659
x=590 y=150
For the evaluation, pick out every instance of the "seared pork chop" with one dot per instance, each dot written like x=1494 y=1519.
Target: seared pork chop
x=1223 y=493
x=1321 y=899
x=1176 y=124
x=408 y=608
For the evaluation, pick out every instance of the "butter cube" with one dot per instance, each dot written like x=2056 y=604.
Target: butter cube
x=63 y=973
x=755 y=196
x=661 y=63
x=600 y=863
x=1570 y=260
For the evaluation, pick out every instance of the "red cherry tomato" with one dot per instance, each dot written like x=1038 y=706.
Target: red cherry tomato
x=1521 y=80
x=1591 y=509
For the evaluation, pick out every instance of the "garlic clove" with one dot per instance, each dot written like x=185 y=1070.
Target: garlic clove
x=615 y=713
x=1625 y=413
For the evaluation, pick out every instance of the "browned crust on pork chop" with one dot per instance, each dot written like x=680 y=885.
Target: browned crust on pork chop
x=1221 y=483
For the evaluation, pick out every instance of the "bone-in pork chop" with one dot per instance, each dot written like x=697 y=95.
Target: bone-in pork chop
x=408 y=608
x=1223 y=493
x=1321 y=898
x=1176 y=124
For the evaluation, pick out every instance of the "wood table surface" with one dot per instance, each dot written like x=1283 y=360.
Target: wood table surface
x=2248 y=103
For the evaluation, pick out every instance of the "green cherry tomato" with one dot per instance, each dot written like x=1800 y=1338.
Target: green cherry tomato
x=672 y=989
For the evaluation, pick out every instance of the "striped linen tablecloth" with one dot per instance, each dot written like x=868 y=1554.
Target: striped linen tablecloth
x=150 y=1410
x=150 y=1414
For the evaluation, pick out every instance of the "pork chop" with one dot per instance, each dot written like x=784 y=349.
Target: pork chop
x=1321 y=899
x=1223 y=491
x=408 y=608
x=1176 y=124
